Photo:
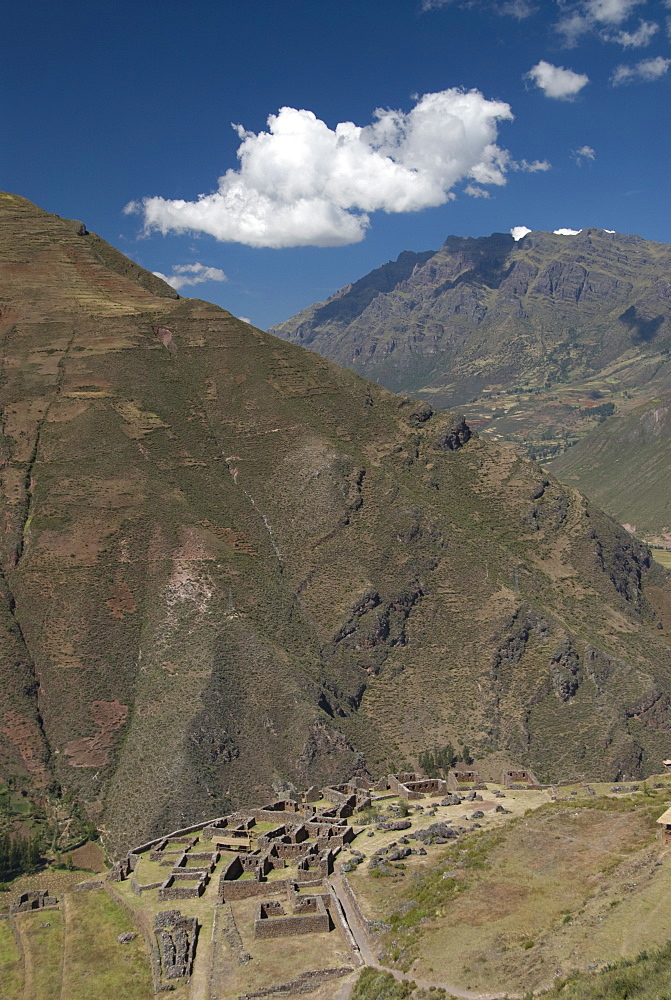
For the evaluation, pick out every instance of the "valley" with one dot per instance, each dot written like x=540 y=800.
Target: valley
x=539 y=342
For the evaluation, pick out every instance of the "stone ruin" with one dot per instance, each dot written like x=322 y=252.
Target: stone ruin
x=308 y=916
x=176 y=939
x=37 y=899
x=463 y=779
x=350 y=794
x=519 y=778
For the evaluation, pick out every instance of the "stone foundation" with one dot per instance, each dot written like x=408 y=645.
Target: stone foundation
x=176 y=938
x=309 y=916
x=37 y=899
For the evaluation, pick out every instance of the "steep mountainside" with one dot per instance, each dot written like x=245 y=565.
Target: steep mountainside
x=228 y=563
x=624 y=466
x=528 y=335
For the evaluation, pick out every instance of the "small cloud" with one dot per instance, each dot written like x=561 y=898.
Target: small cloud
x=646 y=71
x=572 y=27
x=582 y=154
x=556 y=81
x=476 y=192
x=184 y=275
x=610 y=11
x=519 y=9
x=594 y=17
x=519 y=232
x=566 y=232
x=533 y=167
x=245 y=319
x=637 y=39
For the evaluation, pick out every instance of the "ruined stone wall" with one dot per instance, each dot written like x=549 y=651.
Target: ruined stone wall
x=37 y=899
x=250 y=888
x=176 y=887
x=316 y=922
x=176 y=937
x=139 y=888
x=394 y=781
x=337 y=793
x=521 y=776
x=306 y=982
x=428 y=786
x=457 y=779
x=283 y=851
x=274 y=816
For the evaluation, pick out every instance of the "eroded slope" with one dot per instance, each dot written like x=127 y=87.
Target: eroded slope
x=229 y=563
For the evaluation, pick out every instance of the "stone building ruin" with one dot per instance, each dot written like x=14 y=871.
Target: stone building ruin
x=519 y=778
x=308 y=916
x=176 y=940
x=37 y=899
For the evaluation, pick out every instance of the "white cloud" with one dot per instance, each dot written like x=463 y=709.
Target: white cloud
x=519 y=9
x=566 y=232
x=245 y=319
x=519 y=232
x=304 y=184
x=191 y=274
x=598 y=16
x=476 y=192
x=643 y=35
x=583 y=153
x=557 y=82
x=646 y=71
x=610 y=11
x=533 y=167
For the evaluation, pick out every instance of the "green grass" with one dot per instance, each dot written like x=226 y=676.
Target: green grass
x=43 y=947
x=646 y=977
x=11 y=966
x=374 y=984
x=96 y=965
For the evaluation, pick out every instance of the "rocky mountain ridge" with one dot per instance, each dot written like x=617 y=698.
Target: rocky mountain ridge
x=522 y=334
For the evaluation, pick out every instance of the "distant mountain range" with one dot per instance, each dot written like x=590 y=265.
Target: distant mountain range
x=531 y=338
x=229 y=565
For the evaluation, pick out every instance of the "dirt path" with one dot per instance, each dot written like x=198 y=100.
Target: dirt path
x=367 y=951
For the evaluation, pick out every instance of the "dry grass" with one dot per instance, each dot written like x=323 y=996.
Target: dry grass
x=95 y=963
x=43 y=951
x=277 y=961
x=572 y=886
x=11 y=966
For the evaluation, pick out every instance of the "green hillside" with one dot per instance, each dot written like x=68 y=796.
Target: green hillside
x=624 y=466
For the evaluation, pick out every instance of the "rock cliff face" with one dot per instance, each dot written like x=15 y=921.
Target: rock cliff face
x=484 y=311
x=229 y=565
x=520 y=334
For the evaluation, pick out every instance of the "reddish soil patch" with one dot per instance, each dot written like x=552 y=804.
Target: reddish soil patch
x=122 y=601
x=93 y=751
x=89 y=856
x=24 y=736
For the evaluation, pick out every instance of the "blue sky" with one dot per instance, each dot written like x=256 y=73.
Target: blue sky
x=108 y=104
